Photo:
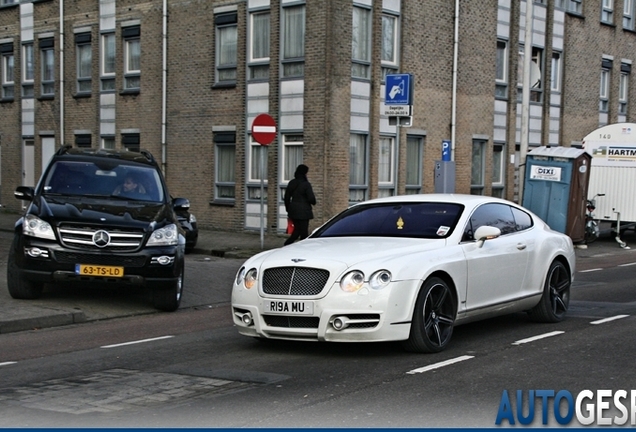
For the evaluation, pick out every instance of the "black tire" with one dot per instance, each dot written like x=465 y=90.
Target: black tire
x=168 y=300
x=20 y=288
x=433 y=318
x=555 y=300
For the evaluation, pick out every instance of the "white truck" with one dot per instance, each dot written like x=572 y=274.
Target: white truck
x=613 y=176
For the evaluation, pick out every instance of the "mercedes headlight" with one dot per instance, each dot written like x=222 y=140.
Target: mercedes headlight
x=166 y=236
x=35 y=227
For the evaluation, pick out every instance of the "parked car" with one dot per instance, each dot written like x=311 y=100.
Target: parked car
x=407 y=268
x=188 y=222
x=99 y=216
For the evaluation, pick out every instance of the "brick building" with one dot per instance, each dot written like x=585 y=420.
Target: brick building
x=186 y=78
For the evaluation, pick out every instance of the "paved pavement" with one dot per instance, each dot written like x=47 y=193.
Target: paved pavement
x=213 y=245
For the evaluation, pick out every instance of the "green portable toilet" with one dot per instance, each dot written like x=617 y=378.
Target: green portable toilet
x=555 y=188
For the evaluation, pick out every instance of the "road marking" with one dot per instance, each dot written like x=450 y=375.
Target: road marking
x=604 y=320
x=7 y=363
x=440 y=364
x=590 y=270
x=627 y=265
x=534 y=338
x=137 y=342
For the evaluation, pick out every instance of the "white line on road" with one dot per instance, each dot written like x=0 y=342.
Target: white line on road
x=590 y=270
x=604 y=320
x=534 y=338
x=440 y=364
x=7 y=363
x=137 y=342
x=627 y=265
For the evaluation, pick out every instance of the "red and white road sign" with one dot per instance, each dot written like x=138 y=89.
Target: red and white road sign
x=264 y=129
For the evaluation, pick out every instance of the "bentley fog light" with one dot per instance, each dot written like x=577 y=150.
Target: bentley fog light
x=352 y=281
x=340 y=323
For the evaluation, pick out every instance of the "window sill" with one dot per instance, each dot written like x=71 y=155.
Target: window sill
x=575 y=14
x=7 y=100
x=82 y=95
x=608 y=24
x=46 y=97
x=130 y=92
x=223 y=203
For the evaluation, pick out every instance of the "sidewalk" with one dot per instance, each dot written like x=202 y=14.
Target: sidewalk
x=87 y=305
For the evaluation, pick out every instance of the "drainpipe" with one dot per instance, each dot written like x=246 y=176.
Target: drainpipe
x=454 y=92
x=164 y=74
x=61 y=72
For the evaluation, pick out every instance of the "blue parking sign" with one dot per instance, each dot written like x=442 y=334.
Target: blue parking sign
x=398 y=89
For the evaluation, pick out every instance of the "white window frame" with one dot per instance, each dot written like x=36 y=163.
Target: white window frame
x=413 y=169
x=28 y=69
x=222 y=184
x=390 y=61
x=555 y=79
x=226 y=52
x=291 y=141
x=498 y=169
x=132 y=63
x=386 y=166
x=623 y=93
x=604 y=90
x=575 y=6
x=361 y=20
x=293 y=63
x=607 y=11
x=84 y=78
x=259 y=62
x=358 y=166
x=628 y=14
x=107 y=62
x=501 y=72
x=107 y=142
x=478 y=167
x=47 y=71
x=8 y=76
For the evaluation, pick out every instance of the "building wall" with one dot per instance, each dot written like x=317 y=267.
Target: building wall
x=333 y=105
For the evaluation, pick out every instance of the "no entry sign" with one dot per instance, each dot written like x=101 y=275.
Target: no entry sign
x=264 y=129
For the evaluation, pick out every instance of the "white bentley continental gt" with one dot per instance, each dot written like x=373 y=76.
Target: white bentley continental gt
x=407 y=268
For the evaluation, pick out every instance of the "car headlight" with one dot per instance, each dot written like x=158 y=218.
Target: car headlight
x=352 y=281
x=36 y=227
x=380 y=279
x=250 y=278
x=240 y=275
x=193 y=218
x=166 y=236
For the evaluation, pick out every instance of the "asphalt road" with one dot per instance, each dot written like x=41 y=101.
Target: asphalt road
x=191 y=368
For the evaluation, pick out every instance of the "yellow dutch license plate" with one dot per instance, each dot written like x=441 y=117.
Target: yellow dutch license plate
x=98 y=270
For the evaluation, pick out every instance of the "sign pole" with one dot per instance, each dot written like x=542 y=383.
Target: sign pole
x=263 y=132
x=262 y=172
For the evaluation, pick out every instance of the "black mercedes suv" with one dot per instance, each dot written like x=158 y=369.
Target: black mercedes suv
x=86 y=223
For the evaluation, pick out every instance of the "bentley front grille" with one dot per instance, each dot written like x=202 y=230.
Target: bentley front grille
x=294 y=281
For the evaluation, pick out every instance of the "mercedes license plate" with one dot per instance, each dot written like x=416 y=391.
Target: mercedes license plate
x=98 y=270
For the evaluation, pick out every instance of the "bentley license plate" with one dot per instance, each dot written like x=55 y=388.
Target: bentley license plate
x=98 y=270
x=288 y=307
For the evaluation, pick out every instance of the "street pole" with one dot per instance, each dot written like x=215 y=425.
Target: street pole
x=262 y=175
x=525 y=98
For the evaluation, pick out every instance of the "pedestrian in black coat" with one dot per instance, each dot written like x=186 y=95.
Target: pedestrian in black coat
x=299 y=197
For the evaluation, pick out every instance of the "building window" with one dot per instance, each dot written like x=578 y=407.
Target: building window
x=555 y=78
x=259 y=45
x=84 y=53
x=607 y=11
x=28 y=70
x=604 y=93
x=575 y=6
x=225 y=157
x=389 y=49
x=132 y=57
x=498 y=170
x=292 y=155
x=131 y=142
x=386 y=167
x=7 y=71
x=414 y=157
x=628 y=14
x=623 y=88
x=361 y=43
x=108 y=62
x=357 y=168
x=478 y=168
x=293 y=41
x=83 y=141
x=536 y=74
x=47 y=52
x=8 y=2
x=226 y=47
x=108 y=142
x=501 y=79
x=256 y=170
